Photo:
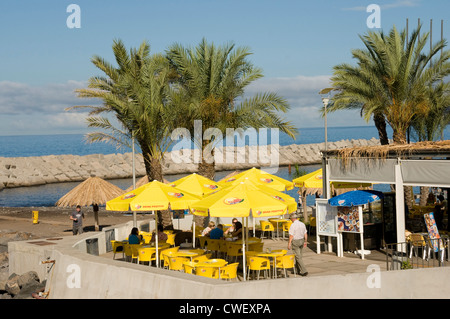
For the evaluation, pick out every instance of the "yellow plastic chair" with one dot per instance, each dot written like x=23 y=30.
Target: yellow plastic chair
x=202 y=241
x=312 y=223
x=286 y=226
x=258 y=263
x=189 y=267
x=251 y=253
x=223 y=249
x=201 y=258
x=210 y=272
x=213 y=245
x=146 y=255
x=417 y=241
x=131 y=251
x=117 y=247
x=229 y=272
x=266 y=227
x=147 y=238
x=256 y=247
x=286 y=262
x=171 y=239
x=176 y=263
x=234 y=250
x=165 y=253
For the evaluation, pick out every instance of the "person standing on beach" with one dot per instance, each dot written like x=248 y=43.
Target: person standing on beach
x=77 y=216
x=298 y=239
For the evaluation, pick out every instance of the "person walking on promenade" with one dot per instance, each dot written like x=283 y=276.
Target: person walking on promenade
x=77 y=216
x=298 y=239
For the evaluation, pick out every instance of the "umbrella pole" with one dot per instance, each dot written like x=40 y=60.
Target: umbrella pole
x=134 y=176
x=156 y=239
x=243 y=251
x=193 y=231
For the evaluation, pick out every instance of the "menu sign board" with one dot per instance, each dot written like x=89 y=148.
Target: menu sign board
x=325 y=218
x=348 y=219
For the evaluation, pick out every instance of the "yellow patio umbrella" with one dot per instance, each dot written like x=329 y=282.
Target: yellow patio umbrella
x=260 y=177
x=312 y=183
x=196 y=184
x=243 y=200
x=153 y=196
x=240 y=201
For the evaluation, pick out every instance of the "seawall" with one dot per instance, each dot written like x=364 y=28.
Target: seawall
x=31 y=171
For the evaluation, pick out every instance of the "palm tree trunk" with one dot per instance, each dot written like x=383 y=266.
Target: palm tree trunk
x=153 y=169
x=424 y=195
x=380 y=124
x=206 y=168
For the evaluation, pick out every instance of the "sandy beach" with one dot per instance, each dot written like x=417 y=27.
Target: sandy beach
x=54 y=221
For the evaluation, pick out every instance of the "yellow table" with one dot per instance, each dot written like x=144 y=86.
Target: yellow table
x=216 y=263
x=189 y=254
x=274 y=256
x=278 y=221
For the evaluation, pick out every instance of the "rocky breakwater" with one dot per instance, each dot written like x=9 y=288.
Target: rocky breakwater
x=29 y=171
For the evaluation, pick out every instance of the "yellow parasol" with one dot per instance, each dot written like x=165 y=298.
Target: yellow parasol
x=259 y=177
x=153 y=196
x=196 y=184
x=312 y=183
x=244 y=199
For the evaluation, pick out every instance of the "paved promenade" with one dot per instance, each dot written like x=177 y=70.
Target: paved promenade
x=325 y=263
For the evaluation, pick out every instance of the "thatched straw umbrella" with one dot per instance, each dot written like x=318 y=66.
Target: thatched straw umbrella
x=93 y=191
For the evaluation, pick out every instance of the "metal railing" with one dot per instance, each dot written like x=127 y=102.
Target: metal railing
x=426 y=253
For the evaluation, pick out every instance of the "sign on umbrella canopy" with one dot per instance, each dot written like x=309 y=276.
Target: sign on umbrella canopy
x=260 y=177
x=153 y=196
x=356 y=198
x=196 y=184
x=241 y=200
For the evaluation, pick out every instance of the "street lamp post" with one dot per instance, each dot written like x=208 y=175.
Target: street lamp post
x=325 y=101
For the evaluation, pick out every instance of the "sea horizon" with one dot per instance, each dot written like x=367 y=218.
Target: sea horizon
x=75 y=144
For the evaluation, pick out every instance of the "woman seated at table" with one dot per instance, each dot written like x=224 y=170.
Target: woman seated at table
x=208 y=229
x=162 y=236
x=134 y=238
x=236 y=231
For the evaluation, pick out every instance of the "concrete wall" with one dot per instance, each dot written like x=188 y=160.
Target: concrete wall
x=77 y=274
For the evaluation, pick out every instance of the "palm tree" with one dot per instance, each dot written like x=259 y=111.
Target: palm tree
x=212 y=81
x=136 y=94
x=391 y=79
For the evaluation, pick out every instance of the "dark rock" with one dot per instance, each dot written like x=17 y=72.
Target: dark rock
x=30 y=287
x=28 y=277
x=12 y=287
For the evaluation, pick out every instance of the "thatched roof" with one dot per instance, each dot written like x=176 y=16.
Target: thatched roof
x=93 y=190
x=381 y=152
x=142 y=181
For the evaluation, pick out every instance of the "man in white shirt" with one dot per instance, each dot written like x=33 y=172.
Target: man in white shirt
x=298 y=239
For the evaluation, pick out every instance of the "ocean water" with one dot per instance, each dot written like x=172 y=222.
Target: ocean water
x=47 y=195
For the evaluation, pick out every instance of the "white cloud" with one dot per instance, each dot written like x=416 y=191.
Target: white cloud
x=18 y=98
x=302 y=93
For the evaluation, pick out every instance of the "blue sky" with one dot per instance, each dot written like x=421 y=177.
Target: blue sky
x=296 y=43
